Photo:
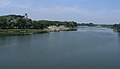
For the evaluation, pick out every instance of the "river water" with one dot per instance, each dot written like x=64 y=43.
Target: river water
x=87 y=48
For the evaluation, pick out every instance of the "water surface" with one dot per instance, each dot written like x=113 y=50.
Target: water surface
x=87 y=48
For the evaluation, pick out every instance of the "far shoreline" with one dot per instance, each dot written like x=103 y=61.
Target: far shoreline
x=17 y=32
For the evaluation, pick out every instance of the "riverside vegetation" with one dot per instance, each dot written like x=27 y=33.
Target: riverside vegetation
x=117 y=27
x=22 y=25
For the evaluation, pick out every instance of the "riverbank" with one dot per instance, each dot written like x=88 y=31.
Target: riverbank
x=61 y=28
x=5 y=32
x=21 y=31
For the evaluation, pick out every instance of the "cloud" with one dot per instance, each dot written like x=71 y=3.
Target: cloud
x=76 y=13
x=60 y=12
x=13 y=4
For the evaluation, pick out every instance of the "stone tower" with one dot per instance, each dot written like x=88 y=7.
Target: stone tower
x=26 y=16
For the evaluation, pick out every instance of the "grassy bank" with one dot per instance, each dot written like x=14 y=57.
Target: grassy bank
x=22 y=31
x=32 y=31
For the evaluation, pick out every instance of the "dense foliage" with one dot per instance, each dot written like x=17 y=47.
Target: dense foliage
x=117 y=27
x=20 y=22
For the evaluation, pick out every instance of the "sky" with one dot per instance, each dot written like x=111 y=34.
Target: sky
x=96 y=11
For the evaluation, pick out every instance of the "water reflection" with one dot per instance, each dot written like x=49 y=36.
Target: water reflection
x=23 y=39
x=118 y=36
x=5 y=41
x=10 y=41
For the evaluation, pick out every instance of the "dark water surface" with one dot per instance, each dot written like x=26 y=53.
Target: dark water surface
x=87 y=48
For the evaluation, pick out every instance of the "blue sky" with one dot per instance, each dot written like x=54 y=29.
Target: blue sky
x=97 y=11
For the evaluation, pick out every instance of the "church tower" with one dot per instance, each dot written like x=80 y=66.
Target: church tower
x=26 y=16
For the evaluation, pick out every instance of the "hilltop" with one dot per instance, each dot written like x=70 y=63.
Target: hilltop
x=17 y=24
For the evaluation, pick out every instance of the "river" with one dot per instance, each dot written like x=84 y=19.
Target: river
x=87 y=48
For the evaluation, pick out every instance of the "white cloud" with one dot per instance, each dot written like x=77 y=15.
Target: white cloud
x=75 y=12
x=13 y=4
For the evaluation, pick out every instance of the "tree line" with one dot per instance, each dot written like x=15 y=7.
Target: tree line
x=117 y=27
x=20 y=22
